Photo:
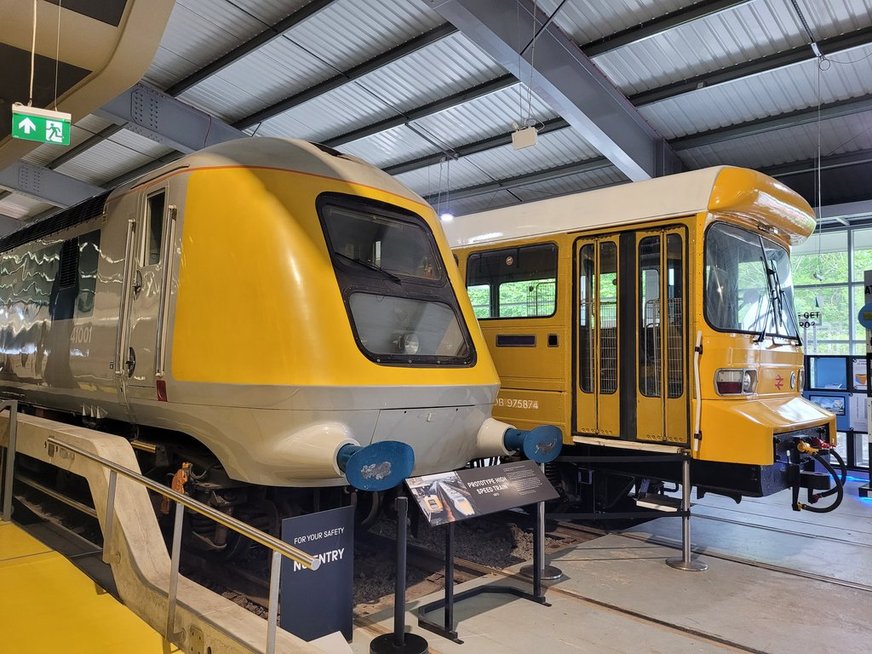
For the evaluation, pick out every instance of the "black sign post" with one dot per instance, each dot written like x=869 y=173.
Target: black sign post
x=452 y=496
x=319 y=602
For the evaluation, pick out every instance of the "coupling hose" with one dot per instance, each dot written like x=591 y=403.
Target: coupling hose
x=838 y=488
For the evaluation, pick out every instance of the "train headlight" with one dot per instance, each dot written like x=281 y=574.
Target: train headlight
x=793 y=380
x=735 y=381
x=802 y=379
x=409 y=343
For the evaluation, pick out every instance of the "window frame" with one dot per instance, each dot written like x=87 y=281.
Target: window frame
x=494 y=289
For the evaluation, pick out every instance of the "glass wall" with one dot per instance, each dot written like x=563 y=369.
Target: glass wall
x=828 y=281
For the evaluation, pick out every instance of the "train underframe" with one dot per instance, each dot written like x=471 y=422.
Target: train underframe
x=604 y=481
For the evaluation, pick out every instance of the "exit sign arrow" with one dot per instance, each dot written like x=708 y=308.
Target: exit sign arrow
x=27 y=125
x=41 y=125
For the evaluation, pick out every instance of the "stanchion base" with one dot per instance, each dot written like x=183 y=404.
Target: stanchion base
x=687 y=566
x=387 y=644
x=550 y=573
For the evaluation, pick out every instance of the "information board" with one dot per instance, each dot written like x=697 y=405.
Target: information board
x=319 y=602
x=452 y=496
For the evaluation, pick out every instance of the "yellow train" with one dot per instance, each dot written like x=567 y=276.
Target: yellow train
x=654 y=317
x=277 y=313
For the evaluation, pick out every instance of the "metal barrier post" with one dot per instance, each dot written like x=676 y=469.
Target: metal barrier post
x=9 y=471
x=174 y=574
x=540 y=570
x=685 y=562
x=399 y=642
x=110 y=516
x=272 y=619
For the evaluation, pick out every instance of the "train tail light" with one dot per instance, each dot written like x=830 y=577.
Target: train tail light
x=735 y=381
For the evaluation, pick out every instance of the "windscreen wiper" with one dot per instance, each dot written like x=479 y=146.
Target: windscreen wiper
x=370 y=266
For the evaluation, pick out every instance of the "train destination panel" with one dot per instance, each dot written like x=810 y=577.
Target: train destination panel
x=453 y=496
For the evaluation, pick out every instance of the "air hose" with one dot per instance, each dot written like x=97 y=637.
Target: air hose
x=839 y=479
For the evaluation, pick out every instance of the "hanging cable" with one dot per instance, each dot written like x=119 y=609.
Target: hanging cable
x=57 y=55
x=32 y=55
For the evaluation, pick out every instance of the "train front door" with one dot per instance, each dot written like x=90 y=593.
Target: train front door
x=631 y=336
x=143 y=345
x=662 y=399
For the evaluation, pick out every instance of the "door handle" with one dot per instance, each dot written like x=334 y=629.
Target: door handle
x=130 y=364
x=137 y=282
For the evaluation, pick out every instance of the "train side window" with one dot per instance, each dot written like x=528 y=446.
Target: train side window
x=154 y=227
x=675 y=316
x=521 y=282
x=480 y=296
x=89 y=258
x=650 y=356
x=608 y=316
x=586 y=318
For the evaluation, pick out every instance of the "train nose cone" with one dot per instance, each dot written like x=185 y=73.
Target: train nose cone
x=376 y=467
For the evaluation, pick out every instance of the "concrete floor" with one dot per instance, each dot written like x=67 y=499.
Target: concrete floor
x=778 y=581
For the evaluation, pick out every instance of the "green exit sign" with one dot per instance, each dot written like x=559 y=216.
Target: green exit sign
x=42 y=125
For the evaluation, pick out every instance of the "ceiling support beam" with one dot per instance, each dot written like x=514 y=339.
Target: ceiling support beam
x=270 y=33
x=403 y=50
x=859 y=157
x=166 y=120
x=8 y=225
x=660 y=24
x=563 y=76
x=586 y=166
x=470 y=148
x=46 y=185
x=755 y=67
x=467 y=95
x=806 y=116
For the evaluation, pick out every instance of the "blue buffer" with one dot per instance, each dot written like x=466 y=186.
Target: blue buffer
x=376 y=467
x=541 y=444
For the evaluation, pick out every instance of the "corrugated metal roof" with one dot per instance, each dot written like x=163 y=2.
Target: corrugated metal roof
x=444 y=177
x=589 y=20
x=349 y=32
x=463 y=206
x=336 y=112
x=390 y=147
x=838 y=136
x=489 y=115
x=767 y=94
x=106 y=160
x=576 y=183
x=198 y=32
x=472 y=121
x=267 y=75
x=553 y=149
x=81 y=131
x=730 y=37
x=271 y=12
x=445 y=67
x=414 y=80
x=20 y=206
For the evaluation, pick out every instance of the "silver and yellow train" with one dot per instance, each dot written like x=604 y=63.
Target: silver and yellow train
x=654 y=317
x=273 y=311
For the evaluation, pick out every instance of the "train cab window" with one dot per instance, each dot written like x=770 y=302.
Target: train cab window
x=154 y=227
x=402 y=308
x=518 y=282
x=748 y=286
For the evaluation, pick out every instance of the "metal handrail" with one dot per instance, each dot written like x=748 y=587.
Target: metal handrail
x=258 y=536
x=182 y=501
